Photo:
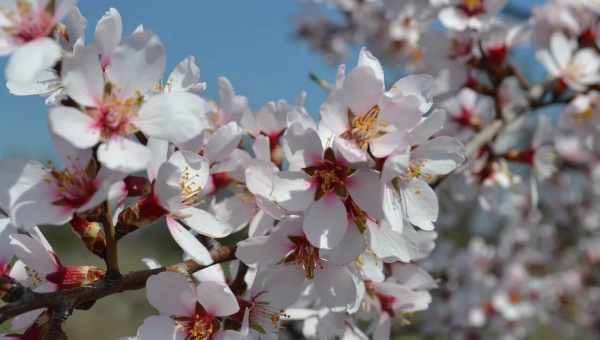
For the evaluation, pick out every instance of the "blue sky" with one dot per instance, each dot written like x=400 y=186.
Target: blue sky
x=247 y=41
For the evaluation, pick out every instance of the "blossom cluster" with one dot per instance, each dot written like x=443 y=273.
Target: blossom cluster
x=519 y=221
x=459 y=201
x=328 y=216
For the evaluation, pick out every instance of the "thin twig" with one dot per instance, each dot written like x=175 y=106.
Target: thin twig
x=111 y=256
x=103 y=288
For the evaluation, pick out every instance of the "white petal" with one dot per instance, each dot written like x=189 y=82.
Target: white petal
x=23 y=321
x=171 y=294
x=223 y=142
x=137 y=64
x=365 y=189
x=362 y=90
x=186 y=77
x=32 y=252
x=233 y=106
x=365 y=58
x=31 y=59
x=396 y=165
x=283 y=286
x=83 y=78
x=337 y=287
x=440 y=155
x=392 y=207
x=302 y=146
x=383 y=146
x=261 y=148
x=211 y=273
x=190 y=245
x=293 y=190
x=421 y=86
x=44 y=83
x=205 y=223
x=159 y=149
x=412 y=276
x=428 y=127
x=348 y=250
x=217 y=299
x=108 y=31
x=17 y=177
x=407 y=246
x=350 y=151
x=35 y=206
x=158 y=328
x=325 y=222
x=452 y=18
x=562 y=49
x=74 y=126
x=176 y=117
x=421 y=204
x=545 y=58
x=235 y=211
x=404 y=112
x=259 y=179
x=334 y=112
x=124 y=155
x=255 y=250
x=6 y=252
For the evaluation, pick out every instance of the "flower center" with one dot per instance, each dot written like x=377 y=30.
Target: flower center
x=573 y=72
x=363 y=128
x=304 y=255
x=416 y=169
x=191 y=187
x=261 y=313
x=28 y=23
x=330 y=175
x=201 y=326
x=35 y=277
x=472 y=7
x=385 y=301
x=113 y=116
x=585 y=115
x=74 y=186
x=466 y=118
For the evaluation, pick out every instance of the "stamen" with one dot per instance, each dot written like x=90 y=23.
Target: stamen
x=364 y=128
x=304 y=255
x=191 y=187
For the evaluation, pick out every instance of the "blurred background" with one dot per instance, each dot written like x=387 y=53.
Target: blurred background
x=249 y=42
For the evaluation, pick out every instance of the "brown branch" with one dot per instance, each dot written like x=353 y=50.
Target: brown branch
x=238 y=285
x=57 y=317
x=103 y=288
x=111 y=255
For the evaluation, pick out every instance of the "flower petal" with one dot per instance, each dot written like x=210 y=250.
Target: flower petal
x=137 y=64
x=159 y=328
x=31 y=59
x=337 y=287
x=217 y=299
x=108 y=32
x=124 y=155
x=171 y=294
x=33 y=253
x=189 y=243
x=421 y=204
x=325 y=222
x=205 y=223
x=74 y=126
x=82 y=77
x=223 y=142
x=176 y=117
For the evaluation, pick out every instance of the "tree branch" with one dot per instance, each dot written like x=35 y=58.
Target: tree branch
x=111 y=256
x=103 y=288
